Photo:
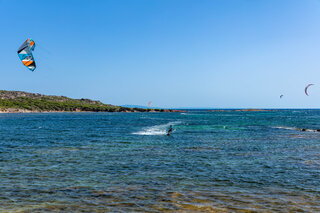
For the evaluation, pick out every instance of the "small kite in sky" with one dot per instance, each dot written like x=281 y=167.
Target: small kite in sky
x=306 y=89
x=25 y=54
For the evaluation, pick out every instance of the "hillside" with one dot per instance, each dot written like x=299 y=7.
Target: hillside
x=18 y=101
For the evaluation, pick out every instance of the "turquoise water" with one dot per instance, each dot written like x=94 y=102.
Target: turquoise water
x=124 y=162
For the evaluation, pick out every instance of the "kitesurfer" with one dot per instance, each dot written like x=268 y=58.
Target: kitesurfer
x=170 y=130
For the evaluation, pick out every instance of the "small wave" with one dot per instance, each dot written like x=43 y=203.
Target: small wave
x=186 y=113
x=296 y=129
x=286 y=127
x=157 y=129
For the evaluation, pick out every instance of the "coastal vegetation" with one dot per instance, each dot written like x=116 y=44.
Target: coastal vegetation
x=17 y=101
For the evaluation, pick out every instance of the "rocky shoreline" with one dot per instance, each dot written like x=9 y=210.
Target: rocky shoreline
x=2 y=111
x=62 y=111
x=25 y=102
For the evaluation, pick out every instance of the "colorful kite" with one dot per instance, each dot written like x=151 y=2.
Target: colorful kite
x=25 y=54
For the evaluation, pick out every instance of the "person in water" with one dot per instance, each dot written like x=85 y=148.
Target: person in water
x=170 y=130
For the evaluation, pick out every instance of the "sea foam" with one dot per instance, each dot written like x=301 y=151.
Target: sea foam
x=157 y=129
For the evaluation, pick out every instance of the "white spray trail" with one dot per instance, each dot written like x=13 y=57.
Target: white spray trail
x=157 y=129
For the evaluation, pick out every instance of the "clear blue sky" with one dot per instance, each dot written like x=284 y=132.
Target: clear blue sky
x=176 y=53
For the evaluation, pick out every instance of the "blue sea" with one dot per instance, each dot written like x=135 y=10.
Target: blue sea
x=214 y=161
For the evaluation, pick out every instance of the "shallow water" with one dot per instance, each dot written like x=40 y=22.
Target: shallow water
x=124 y=162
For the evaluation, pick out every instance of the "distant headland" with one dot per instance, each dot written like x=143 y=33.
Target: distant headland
x=24 y=102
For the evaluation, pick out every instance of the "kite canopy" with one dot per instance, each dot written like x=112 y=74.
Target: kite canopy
x=281 y=96
x=306 y=89
x=25 y=54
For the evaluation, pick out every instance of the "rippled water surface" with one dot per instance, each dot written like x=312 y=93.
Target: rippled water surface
x=124 y=162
